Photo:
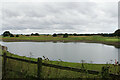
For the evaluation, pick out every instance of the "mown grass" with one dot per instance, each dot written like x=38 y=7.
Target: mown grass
x=28 y=69
x=60 y=38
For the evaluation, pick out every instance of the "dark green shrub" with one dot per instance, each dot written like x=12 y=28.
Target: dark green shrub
x=11 y=35
x=6 y=33
x=17 y=35
x=54 y=35
x=65 y=35
x=36 y=34
x=117 y=33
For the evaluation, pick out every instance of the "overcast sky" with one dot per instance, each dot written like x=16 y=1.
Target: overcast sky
x=60 y=17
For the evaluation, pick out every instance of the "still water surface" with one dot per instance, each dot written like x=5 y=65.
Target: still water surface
x=70 y=52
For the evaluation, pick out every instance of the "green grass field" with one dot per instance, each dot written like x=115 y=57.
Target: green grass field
x=115 y=41
x=30 y=70
x=60 y=38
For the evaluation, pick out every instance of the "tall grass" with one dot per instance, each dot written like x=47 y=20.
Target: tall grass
x=18 y=69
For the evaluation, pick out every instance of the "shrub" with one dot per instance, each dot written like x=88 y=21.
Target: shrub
x=117 y=33
x=27 y=35
x=54 y=35
x=65 y=35
x=36 y=34
x=6 y=33
x=11 y=35
x=17 y=35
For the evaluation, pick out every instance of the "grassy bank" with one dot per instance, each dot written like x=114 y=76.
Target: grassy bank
x=115 y=41
x=23 y=69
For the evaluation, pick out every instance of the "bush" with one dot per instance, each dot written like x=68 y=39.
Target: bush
x=6 y=33
x=17 y=35
x=36 y=34
x=117 y=33
x=65 y=35
x=74 y=34
x=27 y=35
x=54 y=35
x=11 y=35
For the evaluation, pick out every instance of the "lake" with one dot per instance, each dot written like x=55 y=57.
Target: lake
x=69 y=52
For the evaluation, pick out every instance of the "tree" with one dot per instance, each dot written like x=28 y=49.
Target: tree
x=11 y=35
x=117 y=33
x=54 y=35
x=27 y=35
x=6 y=33
x=17 y=35
x=32 y=34
x=75 y=34
x=36 y=34
x=65 y=35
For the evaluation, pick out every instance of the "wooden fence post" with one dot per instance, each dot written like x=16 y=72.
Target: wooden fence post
x=4 y=65
x=39 y=73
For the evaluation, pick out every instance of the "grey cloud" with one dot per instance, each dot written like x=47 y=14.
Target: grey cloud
x=76 y=16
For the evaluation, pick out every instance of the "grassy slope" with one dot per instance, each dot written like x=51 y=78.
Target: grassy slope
x=52 y=71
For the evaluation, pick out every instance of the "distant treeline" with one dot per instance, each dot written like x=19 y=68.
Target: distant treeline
x=116 y=33
x=99 y=34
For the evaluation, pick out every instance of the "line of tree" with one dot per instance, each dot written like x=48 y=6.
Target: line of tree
x=100 y=34
x=36 y=34
x=64 y=35
x=8 y=34
x=116 y=33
